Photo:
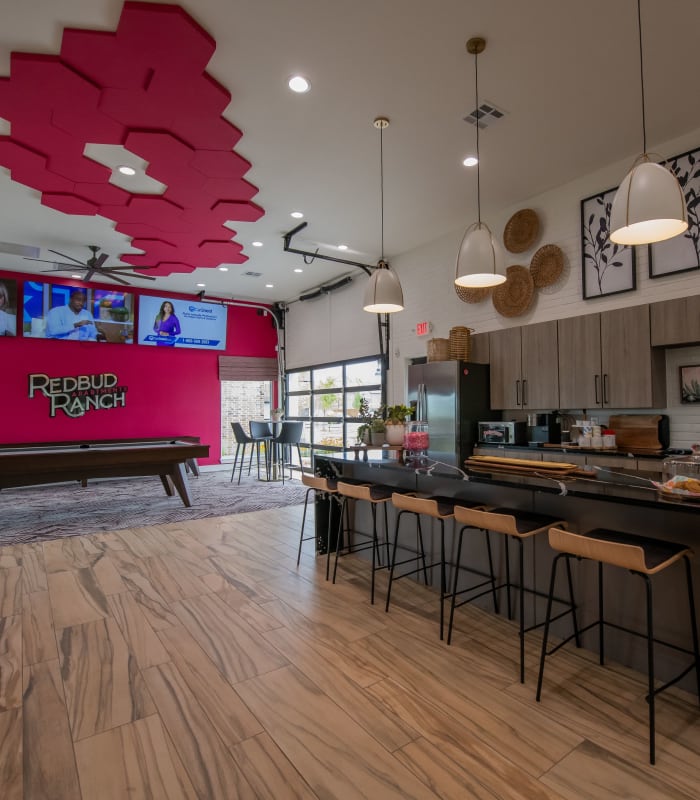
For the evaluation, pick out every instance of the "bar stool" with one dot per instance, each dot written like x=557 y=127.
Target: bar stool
x=261 y=434
x=321 y=487
x=644 y=557
x=289 y=436
x=375 y=494
x=518 y=525
x=441 y=509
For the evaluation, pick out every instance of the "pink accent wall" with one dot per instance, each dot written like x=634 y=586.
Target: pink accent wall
x=170 y=392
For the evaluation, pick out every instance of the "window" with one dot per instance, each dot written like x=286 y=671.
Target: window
x=327 y=398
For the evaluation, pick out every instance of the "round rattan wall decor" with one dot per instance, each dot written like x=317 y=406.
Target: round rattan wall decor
x=546 y=265
x=521 y=231
x=513 y=298
x=469 y=295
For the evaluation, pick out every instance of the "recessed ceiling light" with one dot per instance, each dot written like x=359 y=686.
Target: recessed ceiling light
x=269 y=285
x=127 y=170
x=223 y=269
x=298 y=269
x=201 y=285
x=470 y=161
x=296 y=214
x=257 y=244
x=342 y=247
x=299 y=84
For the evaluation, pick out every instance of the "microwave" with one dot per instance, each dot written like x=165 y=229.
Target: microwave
x=502 y=433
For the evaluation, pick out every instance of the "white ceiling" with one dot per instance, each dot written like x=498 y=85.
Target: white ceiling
x=565 y=71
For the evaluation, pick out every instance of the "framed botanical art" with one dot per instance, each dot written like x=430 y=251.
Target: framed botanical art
x=607 y=268
x=682 y=253
x=690 y=384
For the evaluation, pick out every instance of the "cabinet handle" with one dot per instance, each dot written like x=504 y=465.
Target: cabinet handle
x=524 y=391
x=596 y=379
x=606 y=398
x=517 y=393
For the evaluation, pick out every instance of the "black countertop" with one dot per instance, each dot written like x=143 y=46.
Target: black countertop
x=607 y=487
x=598 y=451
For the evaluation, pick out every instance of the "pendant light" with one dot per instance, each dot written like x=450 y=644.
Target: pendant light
x=649 y=205
x=480 y=255
x=383 y=294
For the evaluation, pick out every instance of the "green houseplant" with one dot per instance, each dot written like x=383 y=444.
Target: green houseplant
x=396 y=417
x=377 y=430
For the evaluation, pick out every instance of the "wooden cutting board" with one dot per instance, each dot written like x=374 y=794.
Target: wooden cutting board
x=636 y=431
x=528 y=468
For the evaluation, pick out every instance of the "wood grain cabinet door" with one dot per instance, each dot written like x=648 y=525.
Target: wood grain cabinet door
x=506 y=380
x=580 y=371
x=631 y=370
x=540 y=366
x=675 y=322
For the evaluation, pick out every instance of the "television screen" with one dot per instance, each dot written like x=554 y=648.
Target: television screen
x=8 y=307
x=57 y=311
x=170 y=322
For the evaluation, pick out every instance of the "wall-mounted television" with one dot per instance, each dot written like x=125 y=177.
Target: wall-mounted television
x=8 y=307
x=171 y=322
x=75 y=313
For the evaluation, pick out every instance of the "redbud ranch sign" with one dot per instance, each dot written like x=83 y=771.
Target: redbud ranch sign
x=75 y=395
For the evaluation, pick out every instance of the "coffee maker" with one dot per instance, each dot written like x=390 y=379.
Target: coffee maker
x=544 y=428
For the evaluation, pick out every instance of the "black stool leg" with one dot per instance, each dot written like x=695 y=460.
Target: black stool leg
x=392 y=560
x=240 y=465
x=454 y=583
x=491 y=572
x=443 y=579
x=693 y=621
x=235 y=461
x=303 y=520
x=572 y=602
x=338 y=539
x=510 y=609
x=601 y=623
x=521 y=601
x=547 y=618
x=651 y=698
x=375 y=549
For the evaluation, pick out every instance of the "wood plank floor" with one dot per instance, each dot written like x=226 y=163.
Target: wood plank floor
x=195 y=660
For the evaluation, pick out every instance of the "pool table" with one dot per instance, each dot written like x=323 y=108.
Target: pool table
x=54 y=462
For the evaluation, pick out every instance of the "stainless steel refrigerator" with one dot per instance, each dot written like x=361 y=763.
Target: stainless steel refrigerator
x=452 y=396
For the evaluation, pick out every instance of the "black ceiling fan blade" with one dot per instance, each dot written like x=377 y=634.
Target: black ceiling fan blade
x=49 y=261
x=70 y=258
x=123 y=271
x=98 y=261
x=115 y=278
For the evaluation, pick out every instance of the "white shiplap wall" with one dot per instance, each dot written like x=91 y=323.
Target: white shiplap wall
x=334 y=327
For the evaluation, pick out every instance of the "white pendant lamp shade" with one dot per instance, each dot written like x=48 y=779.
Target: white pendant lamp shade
x=383 y=294
x=480 y=259
x=649 y=206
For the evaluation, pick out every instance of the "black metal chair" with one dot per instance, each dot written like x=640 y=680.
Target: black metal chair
x=289 y=436
x=261 y=433
x=242 y=441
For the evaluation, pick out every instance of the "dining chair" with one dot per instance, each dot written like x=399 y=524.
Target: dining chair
x=242 y=441
x=261 y=433
x=289 y=436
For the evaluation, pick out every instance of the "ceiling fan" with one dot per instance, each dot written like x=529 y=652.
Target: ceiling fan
x=93 y=266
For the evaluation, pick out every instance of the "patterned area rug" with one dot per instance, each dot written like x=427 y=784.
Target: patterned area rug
x=38 y=513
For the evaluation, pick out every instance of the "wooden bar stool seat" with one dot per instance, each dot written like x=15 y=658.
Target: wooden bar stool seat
x=513 y=524
x=441 y=509
x=376 y=495
x=642 y=556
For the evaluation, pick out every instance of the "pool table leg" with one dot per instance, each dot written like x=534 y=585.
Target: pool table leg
x=179 y=479
x=167 y=485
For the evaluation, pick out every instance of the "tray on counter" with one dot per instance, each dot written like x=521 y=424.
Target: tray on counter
x=524 y=465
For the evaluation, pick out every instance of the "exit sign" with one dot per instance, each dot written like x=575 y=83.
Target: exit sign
x=422 y=328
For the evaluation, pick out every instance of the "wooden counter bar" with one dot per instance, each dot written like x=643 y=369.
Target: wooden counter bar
x=55 y=462
x=586 y=503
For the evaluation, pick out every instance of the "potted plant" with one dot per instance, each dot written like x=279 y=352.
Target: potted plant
x=395 y=423
x=277 y=414
x=377 y=431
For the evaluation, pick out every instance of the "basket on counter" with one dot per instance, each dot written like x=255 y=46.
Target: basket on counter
x=438 y=349
x=460 y=345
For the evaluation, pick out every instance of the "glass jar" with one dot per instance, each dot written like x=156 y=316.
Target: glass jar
x=416 y=443
x=681 y=476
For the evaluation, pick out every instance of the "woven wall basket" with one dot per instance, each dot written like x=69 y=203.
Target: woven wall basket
x=513 y=298
x=546 y=266
x=460 y=343
x=469 y=295
x=521 y=231
x=438 y=349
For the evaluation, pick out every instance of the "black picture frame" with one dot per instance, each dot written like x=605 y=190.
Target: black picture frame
x=681 y=253
x=689 y=383
x=606 y=268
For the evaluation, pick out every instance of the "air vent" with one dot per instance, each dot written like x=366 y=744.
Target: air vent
x=251 y=274
x=486 y=114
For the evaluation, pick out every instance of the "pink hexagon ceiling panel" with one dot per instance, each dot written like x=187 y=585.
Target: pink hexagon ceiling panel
x=143 y=87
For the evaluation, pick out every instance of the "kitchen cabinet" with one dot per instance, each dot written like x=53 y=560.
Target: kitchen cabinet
x=606 y=361
x=675 y=322
x=479 y=348
x=524 y=367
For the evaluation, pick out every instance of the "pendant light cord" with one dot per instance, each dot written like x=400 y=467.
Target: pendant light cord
x=641 y=72
x=381 y=183
x=478 y=156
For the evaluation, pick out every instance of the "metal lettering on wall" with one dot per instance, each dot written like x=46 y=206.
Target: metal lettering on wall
x=75 y=395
